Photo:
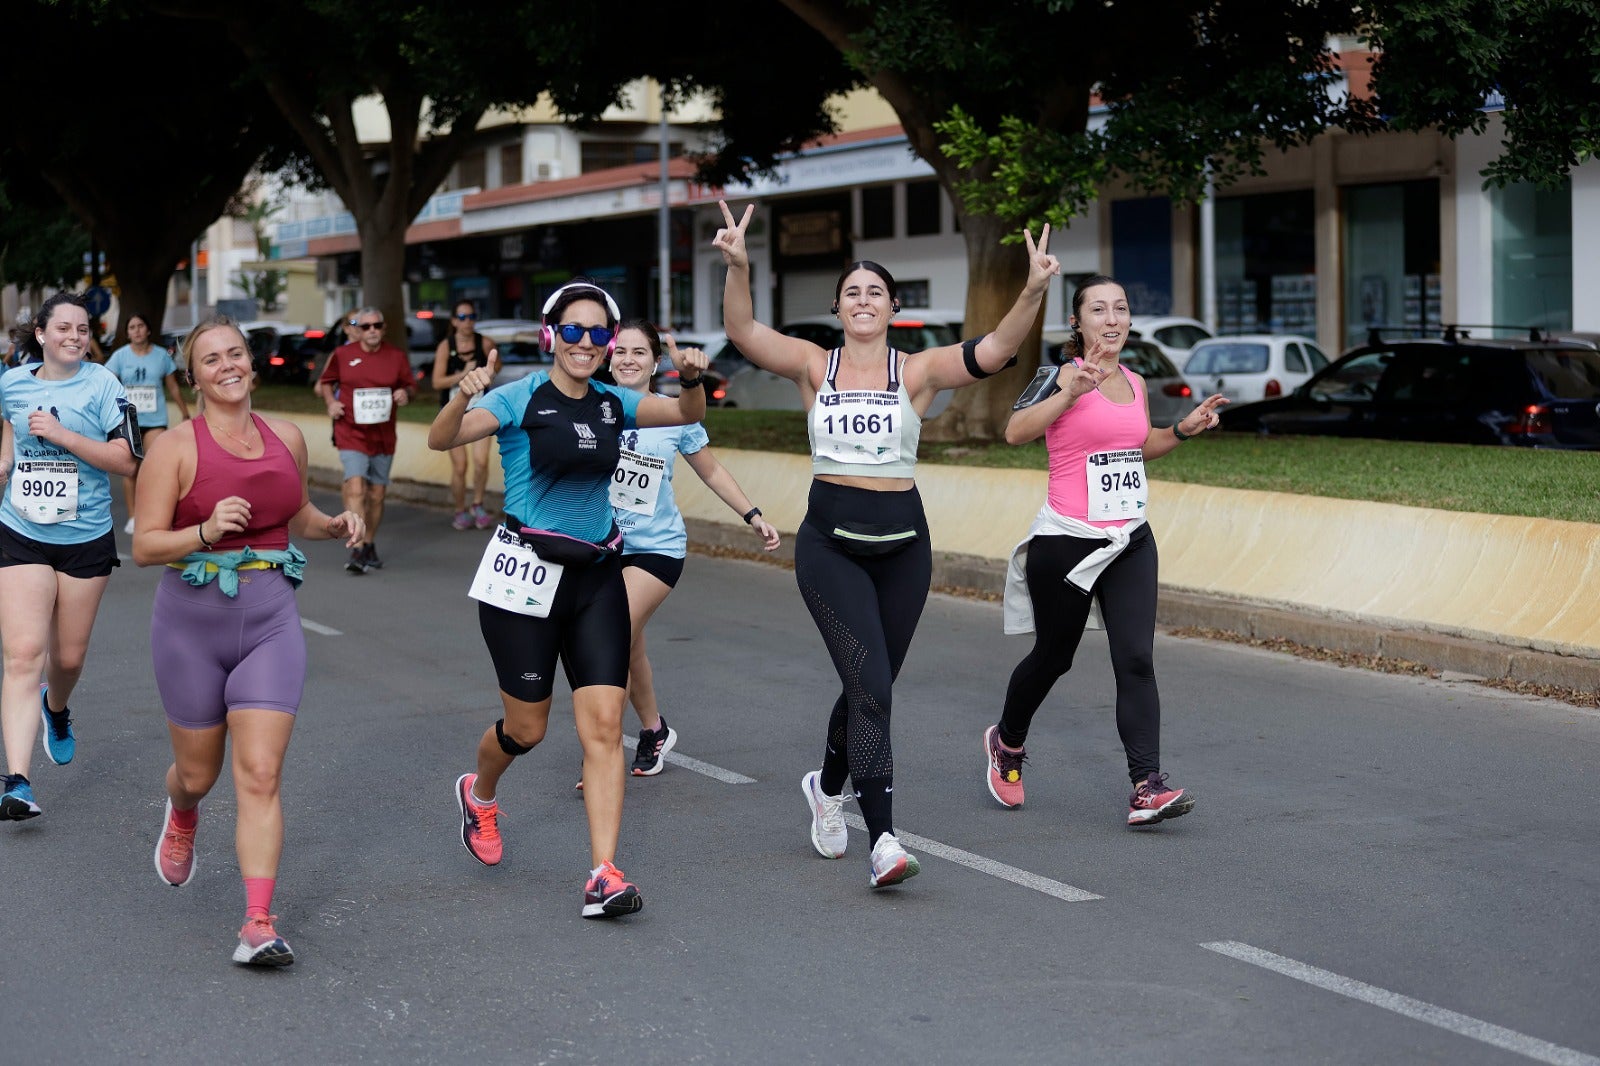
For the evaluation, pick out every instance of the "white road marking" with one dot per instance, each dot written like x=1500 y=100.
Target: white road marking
x=322 y=630
x=984 y=866
x=725 y=776
x=1460 y=1024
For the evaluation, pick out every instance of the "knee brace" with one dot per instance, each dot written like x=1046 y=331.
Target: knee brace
x=507 y=745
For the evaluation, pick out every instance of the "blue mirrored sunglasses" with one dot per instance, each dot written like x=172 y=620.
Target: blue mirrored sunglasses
x=573 y=333
x=468 y=317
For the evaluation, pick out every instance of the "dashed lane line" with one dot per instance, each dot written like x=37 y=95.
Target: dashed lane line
x=984 y=865
x=1449 y=1020
x=319 y=629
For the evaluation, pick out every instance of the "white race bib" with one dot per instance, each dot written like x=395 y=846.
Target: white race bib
x=512 y=577
x=857 y=427
x=143 y=397
x=1117 y=485
x=373 y=406
x=45 y=490
x=637 y=482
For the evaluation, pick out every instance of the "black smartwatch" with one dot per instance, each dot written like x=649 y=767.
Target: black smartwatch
x=691 y=383
x=748 y=515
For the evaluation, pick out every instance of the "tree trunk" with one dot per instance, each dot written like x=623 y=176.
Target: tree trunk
x=383 y=263
x=141 y=289
x=996 y=274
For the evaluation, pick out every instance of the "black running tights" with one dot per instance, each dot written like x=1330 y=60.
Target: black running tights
x=1127 y=592
x=867 y=609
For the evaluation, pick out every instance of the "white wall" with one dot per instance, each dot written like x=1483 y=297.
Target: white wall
x=1586 y=247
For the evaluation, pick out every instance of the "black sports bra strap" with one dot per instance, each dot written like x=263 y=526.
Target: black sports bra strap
x=833 y=368
x=894 y=370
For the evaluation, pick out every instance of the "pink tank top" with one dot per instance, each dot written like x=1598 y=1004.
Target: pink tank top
x=1093 y=424
x=271 y=483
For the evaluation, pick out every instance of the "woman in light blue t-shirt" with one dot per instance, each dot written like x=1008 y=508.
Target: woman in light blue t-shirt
x=149 y=376
x=654 y=540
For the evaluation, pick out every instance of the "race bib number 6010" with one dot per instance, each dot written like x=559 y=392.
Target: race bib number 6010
x=511 y=576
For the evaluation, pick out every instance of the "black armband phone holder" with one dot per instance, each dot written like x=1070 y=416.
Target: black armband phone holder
x=969 y=356
x=128 y=429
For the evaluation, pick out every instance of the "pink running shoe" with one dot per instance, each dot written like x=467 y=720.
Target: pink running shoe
x=462 y=520
x=175 y=858
x=1152 y=801
x=1005 y=769
x=481 y=518
x=480 y=823
x=260 y=944
x=607 y=894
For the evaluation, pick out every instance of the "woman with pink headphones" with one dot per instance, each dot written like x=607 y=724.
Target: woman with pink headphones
x=550 y=583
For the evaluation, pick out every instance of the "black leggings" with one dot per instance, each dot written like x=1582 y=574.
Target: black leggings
x=1127 y=593
x=867 y=609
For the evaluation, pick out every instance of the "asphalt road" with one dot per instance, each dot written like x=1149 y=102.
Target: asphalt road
x=1380 y=869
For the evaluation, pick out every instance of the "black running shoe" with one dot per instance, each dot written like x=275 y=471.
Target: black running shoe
x=373 y=562
x=357 y=563
x=651 y=757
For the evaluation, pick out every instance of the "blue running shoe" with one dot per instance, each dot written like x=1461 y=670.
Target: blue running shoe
x=59 y=742
x=17 y=804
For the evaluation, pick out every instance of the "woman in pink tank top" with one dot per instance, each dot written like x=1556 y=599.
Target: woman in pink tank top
x=218 y=501
x=1090 y=553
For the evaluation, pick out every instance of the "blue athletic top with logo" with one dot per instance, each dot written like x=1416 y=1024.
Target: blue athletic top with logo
x=85 y=403
x=558 y=453
x=150 y=369
x=662 y=532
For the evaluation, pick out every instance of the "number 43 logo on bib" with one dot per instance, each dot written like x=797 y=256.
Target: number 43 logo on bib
x=512 y=577
x=1117 y=485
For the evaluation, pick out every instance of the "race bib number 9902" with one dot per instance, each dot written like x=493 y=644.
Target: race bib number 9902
x=45 y=490
x=1117 y=485
x=511 y=576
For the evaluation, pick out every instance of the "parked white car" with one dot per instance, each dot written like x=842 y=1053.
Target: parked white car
x=1255 y=366
x=1173 y=334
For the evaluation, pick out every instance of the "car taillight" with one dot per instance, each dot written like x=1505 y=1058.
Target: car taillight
x=1272 y=389
x=1532 y=419
x=276 y=360
x=717 y=394
x=1177 y=388
x=315 y=334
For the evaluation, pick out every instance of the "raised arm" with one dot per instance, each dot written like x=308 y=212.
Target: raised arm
x=951 y=366
x=785 y=356
x=455 y=425
x=690 y=406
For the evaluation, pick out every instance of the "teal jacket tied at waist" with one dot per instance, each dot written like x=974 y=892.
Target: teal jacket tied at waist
x=226 y=573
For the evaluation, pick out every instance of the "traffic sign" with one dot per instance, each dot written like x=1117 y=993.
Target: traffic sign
x=97 y=300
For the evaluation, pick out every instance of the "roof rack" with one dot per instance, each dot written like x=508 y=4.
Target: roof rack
x=1452 y=331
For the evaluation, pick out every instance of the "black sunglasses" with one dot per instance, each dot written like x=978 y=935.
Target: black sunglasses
x=370 y=325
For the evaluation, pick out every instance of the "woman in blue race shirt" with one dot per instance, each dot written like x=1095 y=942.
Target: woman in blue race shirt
x=654 y=539
x=550 y=583
x=149 y=377
x=67 y=428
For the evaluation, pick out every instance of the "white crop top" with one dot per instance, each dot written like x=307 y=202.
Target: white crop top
x=864 y=432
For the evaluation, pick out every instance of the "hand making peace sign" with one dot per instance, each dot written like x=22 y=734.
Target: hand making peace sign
x=1042 y=266
x=730 y=239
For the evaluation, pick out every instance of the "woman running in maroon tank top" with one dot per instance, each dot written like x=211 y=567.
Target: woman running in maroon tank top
x=218 y=500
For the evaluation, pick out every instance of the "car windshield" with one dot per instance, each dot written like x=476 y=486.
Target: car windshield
x=1567 y=374
x=1352 y=379
x=1146 y=360
x=1228 y=358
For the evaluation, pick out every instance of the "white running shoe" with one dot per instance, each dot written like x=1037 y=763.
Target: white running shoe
x=891 y=863
x=829 y=835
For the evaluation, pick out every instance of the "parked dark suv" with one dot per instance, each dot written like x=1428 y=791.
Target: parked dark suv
x=1456 y=388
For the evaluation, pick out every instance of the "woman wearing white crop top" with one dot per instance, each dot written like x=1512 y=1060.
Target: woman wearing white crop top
x=862 y=558
x=1089 y=550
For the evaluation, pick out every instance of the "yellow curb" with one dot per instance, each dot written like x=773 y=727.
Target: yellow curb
x=1515 y=580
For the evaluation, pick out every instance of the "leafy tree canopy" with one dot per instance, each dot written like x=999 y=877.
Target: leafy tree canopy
x=1440 y=59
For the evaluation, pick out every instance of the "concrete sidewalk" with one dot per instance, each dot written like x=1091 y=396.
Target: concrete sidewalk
x=1484 y=595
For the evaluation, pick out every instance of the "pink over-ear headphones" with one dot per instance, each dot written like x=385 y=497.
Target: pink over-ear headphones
x=547 y=332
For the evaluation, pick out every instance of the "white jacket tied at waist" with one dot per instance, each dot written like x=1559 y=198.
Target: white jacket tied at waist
x=1018 y=604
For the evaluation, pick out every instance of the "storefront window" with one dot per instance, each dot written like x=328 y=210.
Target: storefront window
x=1141 y=253
x=1266 y=264
x=1391 y=258
x=1532 y=256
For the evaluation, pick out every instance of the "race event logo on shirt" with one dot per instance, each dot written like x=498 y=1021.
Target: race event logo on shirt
x=586 y=437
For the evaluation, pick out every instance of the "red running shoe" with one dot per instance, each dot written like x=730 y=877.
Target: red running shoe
x=607 y=894
x=480 y=823
x=1152 y=801
x=260 y=944
x=175 y=858
x=1005 y=769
